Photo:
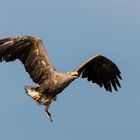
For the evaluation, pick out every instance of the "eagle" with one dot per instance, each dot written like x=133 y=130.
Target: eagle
x=49 y=81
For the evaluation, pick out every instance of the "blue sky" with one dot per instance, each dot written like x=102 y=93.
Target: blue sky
x=73 y=31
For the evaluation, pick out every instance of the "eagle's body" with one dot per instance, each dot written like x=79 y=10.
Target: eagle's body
x=31 y=52
x=51 y=87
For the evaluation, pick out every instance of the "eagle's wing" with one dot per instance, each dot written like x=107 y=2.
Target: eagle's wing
x=31 y=52
x=102 y=71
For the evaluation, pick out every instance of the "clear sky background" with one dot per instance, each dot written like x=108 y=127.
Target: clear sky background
x=72 y=31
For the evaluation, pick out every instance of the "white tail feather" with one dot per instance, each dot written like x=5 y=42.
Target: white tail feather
x=31 y=92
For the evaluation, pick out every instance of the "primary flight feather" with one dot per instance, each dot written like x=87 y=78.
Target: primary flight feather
x=31 y=52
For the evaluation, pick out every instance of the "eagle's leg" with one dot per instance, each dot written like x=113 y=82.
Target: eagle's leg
x=41 y=99
x=48 y=114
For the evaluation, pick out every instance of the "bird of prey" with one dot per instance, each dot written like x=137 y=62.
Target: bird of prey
x=50 y=82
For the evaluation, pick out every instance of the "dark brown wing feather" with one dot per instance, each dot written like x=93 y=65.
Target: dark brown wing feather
x=102 y=71
x=32 y=54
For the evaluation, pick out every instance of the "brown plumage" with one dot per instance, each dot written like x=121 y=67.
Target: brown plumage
x=31 y=52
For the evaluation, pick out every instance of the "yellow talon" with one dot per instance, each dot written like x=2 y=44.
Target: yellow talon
x=47 y=102
x=37 y=97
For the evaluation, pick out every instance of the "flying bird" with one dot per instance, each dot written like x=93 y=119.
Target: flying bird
x=50 y=82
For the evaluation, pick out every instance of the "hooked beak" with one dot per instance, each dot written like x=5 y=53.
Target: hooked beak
x=74 y=74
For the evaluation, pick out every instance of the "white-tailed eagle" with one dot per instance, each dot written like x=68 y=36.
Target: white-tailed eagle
x=31 y=52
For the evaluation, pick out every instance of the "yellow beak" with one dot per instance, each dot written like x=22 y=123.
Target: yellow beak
x=74 y=74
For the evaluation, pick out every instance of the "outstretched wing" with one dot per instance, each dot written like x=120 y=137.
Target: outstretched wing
x=32 y=54
x=102 y=71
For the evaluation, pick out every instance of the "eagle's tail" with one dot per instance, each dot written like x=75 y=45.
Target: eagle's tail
x=33 y=92
x=42 y=99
